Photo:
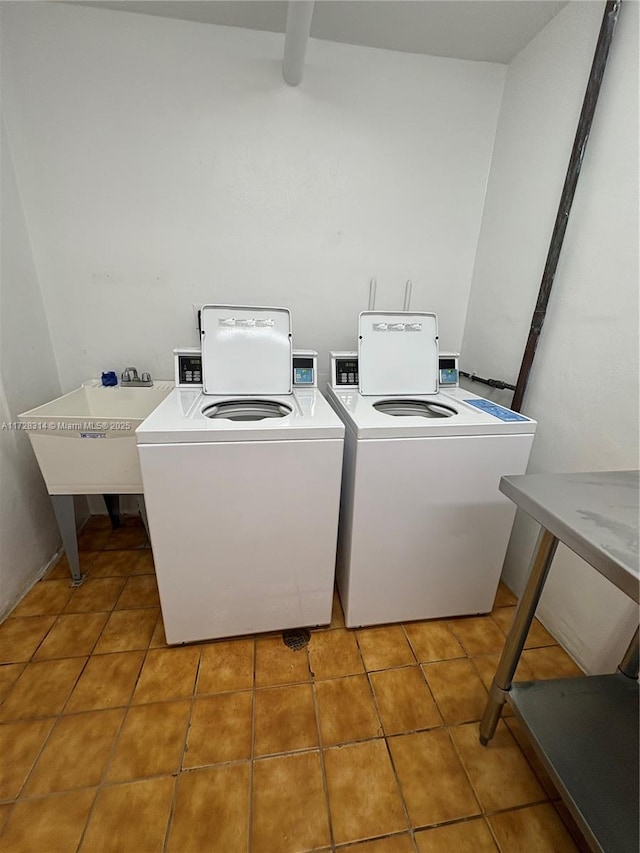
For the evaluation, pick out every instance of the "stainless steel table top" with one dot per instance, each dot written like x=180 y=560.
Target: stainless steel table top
x=595 y=514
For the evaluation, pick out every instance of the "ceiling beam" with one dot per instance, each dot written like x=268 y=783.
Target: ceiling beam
x=299 y=15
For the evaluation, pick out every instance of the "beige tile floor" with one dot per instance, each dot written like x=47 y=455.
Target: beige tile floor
x=365 y=740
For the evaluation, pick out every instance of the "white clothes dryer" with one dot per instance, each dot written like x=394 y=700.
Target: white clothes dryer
x=242 y=486
x=423 y=528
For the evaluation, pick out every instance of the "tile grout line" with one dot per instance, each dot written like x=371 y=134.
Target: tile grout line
x=483 y=812
x=546 y=798
x=386 y=742
x=253 y=750
x=505 y=633
x=348 y=846
x=57 y=717
x=530 y=763
x=425 y=679
x=36 y=759
x=447 y=726
x=102 y=783
x=97 y=787
x=433 y=699
x=259 y=758
x=177 y=775
x=518 y=808
x=323 y=771
x=481 y=815
x=30 y=660
x=487 y=815
x=410 y=644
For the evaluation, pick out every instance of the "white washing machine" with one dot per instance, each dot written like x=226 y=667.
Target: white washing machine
x=423 y=527
x=242 y=484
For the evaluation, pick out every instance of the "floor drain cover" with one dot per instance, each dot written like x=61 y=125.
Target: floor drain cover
x=297 y=638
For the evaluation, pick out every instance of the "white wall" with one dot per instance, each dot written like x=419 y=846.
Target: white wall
x=28 y=376
x=583 y=388
x=165 y=163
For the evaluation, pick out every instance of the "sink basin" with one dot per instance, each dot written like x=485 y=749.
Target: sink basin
x=85 y=441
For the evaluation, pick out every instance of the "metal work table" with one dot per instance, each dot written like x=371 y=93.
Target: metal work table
x=584 y=729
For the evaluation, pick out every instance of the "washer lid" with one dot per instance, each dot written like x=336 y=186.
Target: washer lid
x=246 y=350
x=398 y=352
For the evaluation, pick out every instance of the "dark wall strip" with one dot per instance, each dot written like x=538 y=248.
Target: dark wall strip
x=609 y=20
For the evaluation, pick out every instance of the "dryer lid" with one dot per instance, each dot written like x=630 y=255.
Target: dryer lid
x=246 y=350
x=398 y=352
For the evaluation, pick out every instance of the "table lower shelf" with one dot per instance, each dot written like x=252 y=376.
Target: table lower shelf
x=586 y=732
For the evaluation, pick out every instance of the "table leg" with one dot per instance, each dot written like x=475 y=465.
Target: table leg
x=630 y=663
x=112 y=503
x=66 y=518
x=143 y=512
x=538 y=571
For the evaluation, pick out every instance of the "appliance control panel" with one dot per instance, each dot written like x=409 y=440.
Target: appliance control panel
x=344 y=369
x=495 y=410
x=305 y=368
x=188 y=367
x=448 y=375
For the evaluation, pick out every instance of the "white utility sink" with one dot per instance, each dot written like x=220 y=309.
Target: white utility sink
x=85 y=441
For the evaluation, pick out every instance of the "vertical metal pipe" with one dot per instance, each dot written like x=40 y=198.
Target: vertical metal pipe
x=299 y=15
x=373 y=286
x=407 y=295
x=609 y=20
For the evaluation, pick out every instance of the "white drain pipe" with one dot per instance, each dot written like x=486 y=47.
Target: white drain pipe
x=373 y=286
x=407 y=295
x=299 y=15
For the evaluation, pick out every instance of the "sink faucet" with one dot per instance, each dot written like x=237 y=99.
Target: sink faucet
x=131 y=379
